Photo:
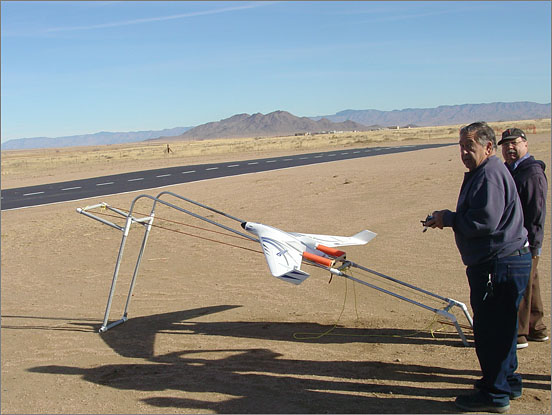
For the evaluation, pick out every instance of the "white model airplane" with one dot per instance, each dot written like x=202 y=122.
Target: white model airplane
x=284 y=251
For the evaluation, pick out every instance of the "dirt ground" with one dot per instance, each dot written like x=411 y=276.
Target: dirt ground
x=211 y=331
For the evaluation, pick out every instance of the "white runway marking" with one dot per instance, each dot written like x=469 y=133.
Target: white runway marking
x=72 y=188
x=104 y=184
x=163 y=175
x=31 y=194
x=134 y=180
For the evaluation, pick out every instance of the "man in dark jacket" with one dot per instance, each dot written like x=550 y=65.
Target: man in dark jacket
x=489 y=233
x=532 y=187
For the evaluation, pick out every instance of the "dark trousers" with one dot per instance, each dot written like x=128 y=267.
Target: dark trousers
x=495 y=321
x=531 y=310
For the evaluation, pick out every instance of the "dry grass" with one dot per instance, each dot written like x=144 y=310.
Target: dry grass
x=31 y=167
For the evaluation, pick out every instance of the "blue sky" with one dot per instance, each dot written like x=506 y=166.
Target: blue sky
x=82 y=67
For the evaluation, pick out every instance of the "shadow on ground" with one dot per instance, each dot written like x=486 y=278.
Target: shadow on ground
x=261 y=381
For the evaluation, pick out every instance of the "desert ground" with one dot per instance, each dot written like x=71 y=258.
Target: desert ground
x=209 y=329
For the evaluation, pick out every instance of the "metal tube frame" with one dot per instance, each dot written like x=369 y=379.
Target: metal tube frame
x=441 y=312
x=451 y=303
x=148 y=222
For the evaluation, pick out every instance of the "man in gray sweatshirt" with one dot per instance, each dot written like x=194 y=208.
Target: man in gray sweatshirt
x=489 y=233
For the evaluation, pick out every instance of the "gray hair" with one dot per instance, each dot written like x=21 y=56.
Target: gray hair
x=483 y=133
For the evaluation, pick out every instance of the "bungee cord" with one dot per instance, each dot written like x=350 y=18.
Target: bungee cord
x=194 y=235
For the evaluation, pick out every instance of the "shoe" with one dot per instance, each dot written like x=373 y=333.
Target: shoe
x=538 y=336
x=478 y=402
x=478 y=385
x=522 y=342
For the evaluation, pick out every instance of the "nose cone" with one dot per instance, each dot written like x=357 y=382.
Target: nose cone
x=251 y=227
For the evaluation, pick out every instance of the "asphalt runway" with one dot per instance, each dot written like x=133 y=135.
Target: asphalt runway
x=22 y=197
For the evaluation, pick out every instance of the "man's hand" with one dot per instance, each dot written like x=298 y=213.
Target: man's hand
x=436 y=220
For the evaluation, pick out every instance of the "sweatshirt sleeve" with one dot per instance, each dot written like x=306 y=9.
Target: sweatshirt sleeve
x=533 y=196
x=448 y=218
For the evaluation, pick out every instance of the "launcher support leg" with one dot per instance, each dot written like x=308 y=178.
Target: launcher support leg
x=464 y=310
x=105 y=326
x=138 y=261
x=453 y=320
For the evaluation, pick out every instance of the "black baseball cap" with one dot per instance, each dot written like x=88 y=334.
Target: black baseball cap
x=512 y=134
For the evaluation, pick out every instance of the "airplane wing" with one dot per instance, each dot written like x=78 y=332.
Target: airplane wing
x=284 y=259
x=282 y=256
x=283 y=253
x=331 y=241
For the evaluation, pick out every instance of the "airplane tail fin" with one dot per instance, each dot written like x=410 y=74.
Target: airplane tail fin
x=364 y=236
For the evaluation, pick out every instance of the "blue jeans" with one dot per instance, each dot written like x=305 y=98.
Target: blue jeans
x=495 y=321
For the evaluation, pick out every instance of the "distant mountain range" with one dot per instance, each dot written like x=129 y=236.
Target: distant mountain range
x=259 y=125
x=446 y=114
x=103 y=137
x=283 y=123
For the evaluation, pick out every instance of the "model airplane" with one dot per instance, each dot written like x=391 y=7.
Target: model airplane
x=284 y=251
